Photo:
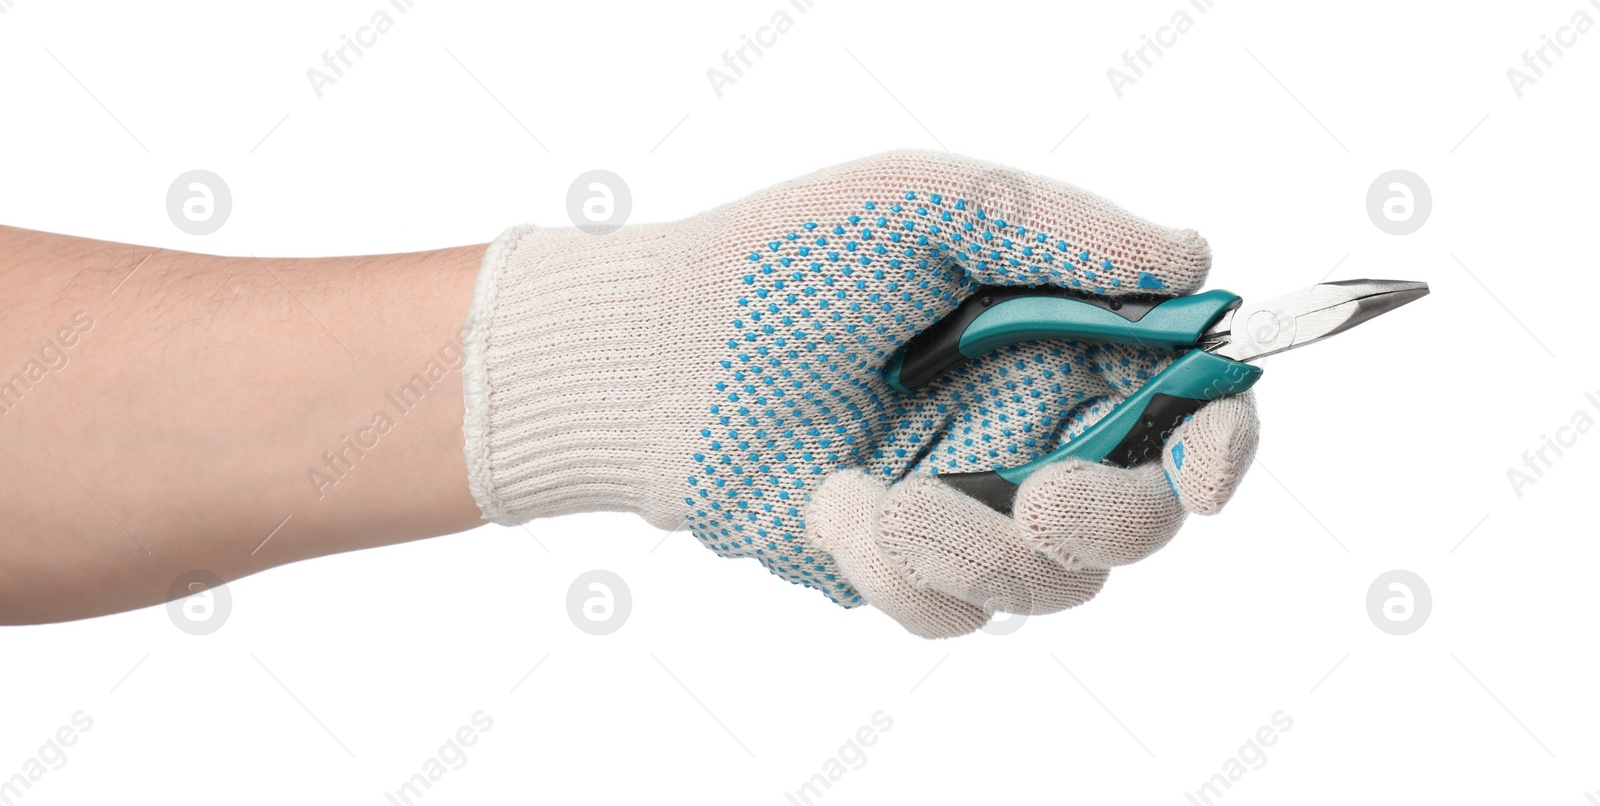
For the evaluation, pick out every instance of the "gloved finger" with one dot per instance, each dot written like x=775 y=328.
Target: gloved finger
x=1207 y=456
x=840 y=520
x=1095 y=514
x=1010 y=227
x=1109 y=516
x=943 y=540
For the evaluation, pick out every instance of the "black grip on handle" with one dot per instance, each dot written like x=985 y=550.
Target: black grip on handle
x=1161 y=417
x=988 y=487
x=937 y=349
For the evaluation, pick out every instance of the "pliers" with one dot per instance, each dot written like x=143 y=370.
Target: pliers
x=1215 y=332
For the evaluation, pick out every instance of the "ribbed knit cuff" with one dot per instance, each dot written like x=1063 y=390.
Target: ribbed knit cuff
x=560 y=373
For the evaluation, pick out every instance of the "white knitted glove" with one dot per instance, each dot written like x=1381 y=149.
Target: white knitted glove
x=724 y=372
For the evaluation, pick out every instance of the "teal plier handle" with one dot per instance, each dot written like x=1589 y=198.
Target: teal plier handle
x=1135 y=430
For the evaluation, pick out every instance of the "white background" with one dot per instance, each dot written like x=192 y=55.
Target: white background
x=1263 y=127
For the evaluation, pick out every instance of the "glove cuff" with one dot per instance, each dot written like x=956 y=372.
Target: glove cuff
x=559 y=375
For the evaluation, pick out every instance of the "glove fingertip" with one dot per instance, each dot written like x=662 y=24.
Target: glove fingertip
x=1208 y=455
x=1190 y=262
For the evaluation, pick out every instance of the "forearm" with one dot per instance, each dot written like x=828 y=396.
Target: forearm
x=163 y=412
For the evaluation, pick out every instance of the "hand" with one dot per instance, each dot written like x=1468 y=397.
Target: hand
x=725 y=371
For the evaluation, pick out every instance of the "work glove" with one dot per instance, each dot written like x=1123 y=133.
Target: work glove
x=725 y=373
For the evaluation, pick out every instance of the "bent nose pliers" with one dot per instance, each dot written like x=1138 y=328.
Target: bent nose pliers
x=1215 y=331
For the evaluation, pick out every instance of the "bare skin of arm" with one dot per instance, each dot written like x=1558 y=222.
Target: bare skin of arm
x=163 y=412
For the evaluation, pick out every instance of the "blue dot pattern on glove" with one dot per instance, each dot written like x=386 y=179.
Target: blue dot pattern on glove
x=801 y=393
